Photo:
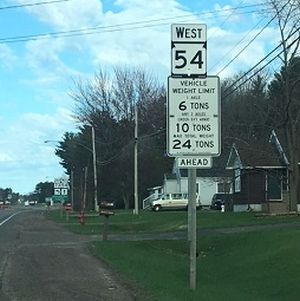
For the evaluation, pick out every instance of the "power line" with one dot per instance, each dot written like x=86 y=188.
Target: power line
x=228 y=17
x=260 y=69
x=263 y=59
x=238 y=43
x=117 y=156
x=112 y=28
x=252 y=40
x=32 y=4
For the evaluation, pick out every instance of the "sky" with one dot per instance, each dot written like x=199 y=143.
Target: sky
x=37 y=75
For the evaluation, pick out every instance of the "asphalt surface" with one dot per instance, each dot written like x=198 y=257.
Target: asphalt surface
x=40 y=261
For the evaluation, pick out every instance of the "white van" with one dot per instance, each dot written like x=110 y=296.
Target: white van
x=172 y=201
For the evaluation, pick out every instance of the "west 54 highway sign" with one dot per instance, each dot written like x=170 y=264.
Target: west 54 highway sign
x=189 y=53
x=193 y=116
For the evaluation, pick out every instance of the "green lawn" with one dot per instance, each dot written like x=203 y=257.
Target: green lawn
x=261 y=265
x=167 y=221
x=257 y=266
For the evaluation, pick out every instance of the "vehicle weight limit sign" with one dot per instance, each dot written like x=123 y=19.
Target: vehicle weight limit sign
x=193 y=116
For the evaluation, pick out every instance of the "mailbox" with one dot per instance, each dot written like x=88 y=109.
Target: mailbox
x=107 y=205
x=106 y=213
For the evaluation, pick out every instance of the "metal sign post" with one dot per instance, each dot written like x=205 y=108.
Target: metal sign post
x=192 y=226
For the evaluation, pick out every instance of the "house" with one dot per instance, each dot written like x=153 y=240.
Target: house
x=259 y=175
x=208 y=182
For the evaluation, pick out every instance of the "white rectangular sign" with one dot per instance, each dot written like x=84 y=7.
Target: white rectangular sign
x=189 y=33
x=194 y=162
x=189 y=51
x=193 y=117
x=61 y=183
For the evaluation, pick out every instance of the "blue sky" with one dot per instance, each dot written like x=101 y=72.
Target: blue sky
x=36 y=76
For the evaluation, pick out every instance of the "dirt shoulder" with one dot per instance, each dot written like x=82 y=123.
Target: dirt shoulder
x=45 y=262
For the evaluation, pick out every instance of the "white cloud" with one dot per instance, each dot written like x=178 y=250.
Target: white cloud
x=7 y=57
x=68 y=15
x=24 y=156
x=5 y=157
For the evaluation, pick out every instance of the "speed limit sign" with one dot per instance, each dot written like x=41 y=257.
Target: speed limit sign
x=189 y=54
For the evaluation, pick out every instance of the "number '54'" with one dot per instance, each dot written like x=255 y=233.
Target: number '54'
x=182 y=61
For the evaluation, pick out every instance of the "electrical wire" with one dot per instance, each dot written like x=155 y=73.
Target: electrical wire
x=111 y=28
x=254 y=38
x=257 y=71
x=237 y=44
x=32 y=4
x=226 y=19
x=130 y=143
x=263 y=59
x=117 y=156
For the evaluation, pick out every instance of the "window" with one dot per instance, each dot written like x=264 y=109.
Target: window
x=274 y=186
x=237 y=180
x=176 y=196
x=223 y=187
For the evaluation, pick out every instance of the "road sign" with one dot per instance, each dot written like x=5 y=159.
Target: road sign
x=193 y=116
x=62 y=182
x=194 y=162
x=59 y=198
x=189 y=54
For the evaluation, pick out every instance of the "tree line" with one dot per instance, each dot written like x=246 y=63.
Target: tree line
x=250 y=113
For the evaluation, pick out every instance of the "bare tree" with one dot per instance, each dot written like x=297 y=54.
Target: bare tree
x=108 y=102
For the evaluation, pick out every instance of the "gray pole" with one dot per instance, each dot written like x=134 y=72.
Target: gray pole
x=96 y=208
x=72 y=188
x=85 y=186
x=136 y=202
x=192 y=226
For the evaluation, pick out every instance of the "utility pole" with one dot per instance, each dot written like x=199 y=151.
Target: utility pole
x=84 y=189
x=96 y=207
x=136 y=202
x=72 y=188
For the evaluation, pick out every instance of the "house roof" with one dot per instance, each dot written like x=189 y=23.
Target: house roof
x=170 y=176
x=255 y=154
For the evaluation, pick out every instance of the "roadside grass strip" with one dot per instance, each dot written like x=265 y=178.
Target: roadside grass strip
x=262 y=266
x=168 y=221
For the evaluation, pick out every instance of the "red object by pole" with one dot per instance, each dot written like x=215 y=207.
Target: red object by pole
x=81 y=218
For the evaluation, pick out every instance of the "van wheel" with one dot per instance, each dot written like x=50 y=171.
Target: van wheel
x=157 y=208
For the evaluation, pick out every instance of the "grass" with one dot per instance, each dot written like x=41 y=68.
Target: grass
x=167 y=221
x=260 y=266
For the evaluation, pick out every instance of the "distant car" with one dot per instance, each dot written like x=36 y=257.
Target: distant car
x=31 y=203
x=217 y=205
x=220 y=199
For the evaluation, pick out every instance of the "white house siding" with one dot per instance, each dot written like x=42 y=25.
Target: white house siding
x=208 y=187
x=171 y=186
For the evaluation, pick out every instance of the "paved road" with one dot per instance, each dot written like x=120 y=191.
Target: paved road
x=40 y=261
